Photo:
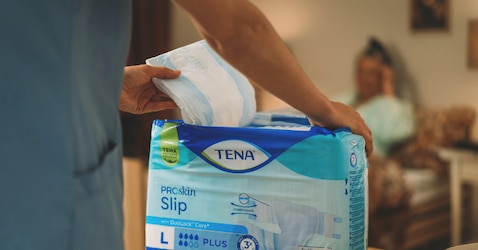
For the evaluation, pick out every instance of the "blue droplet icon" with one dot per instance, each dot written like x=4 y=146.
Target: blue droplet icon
x=196 y=237
x=180 y=235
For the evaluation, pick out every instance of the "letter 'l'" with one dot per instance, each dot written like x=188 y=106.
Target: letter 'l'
x=162 y=239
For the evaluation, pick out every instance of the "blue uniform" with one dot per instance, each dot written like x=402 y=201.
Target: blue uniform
x=60 y=144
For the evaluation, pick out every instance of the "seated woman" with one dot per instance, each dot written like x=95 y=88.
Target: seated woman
x=390 y=119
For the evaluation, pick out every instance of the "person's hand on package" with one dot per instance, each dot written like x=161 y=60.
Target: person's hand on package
x=139 y=95
x=344 y=116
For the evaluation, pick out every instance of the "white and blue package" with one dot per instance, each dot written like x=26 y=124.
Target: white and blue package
x=209 y=91
x=302 y=188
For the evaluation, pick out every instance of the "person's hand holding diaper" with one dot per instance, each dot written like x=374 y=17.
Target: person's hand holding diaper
x=209 y=92
x=139 y=95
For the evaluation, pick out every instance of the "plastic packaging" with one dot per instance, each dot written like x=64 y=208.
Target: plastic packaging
x=301 y=188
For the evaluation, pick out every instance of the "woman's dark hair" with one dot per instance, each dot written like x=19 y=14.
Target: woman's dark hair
x=377 y=50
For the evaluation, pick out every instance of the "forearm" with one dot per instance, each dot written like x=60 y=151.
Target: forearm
x=242 y=35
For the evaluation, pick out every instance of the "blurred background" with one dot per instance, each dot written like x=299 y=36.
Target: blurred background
x=435 y=63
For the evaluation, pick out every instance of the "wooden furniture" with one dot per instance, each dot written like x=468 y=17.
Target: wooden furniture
x=423 y=221
x=463 y=169
x=134 y=202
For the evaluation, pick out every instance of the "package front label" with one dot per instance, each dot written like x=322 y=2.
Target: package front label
x=255 y=188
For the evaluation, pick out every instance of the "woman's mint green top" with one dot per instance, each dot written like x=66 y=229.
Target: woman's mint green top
x=60 y=145
x=391 y=120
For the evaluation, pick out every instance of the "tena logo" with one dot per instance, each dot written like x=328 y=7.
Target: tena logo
x=235 y=156
x=169 y=144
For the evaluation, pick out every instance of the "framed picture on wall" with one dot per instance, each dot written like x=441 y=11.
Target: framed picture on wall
x=429 y=15
x=473 y=44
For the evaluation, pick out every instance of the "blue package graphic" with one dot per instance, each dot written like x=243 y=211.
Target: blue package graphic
x=296 y=188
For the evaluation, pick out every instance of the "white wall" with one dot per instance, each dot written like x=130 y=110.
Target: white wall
x=326 y=35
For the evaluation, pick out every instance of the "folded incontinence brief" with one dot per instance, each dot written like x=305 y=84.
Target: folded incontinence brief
x=209 y=91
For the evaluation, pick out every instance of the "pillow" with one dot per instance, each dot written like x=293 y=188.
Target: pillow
x=445 y=127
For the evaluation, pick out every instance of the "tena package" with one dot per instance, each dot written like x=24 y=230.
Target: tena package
x=294 y=188
x=209 y=91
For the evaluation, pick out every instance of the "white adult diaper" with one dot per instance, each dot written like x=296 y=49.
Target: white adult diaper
x=209 y=91
x=301 y=188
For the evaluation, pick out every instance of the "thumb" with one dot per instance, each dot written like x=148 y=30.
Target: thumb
x=161 y=72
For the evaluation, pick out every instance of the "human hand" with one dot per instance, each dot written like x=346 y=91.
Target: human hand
x=344 y=116
x=139 y=95
x=388 y=88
